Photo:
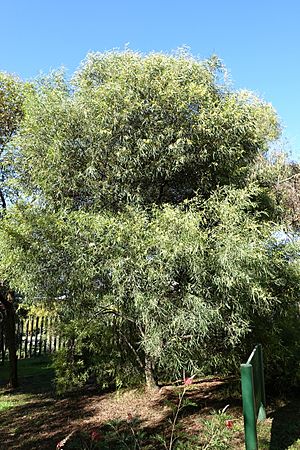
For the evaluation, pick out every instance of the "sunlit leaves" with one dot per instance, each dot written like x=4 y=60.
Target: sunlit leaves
x=138 y=130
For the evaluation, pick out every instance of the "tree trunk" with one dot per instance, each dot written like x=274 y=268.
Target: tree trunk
x=7 y=299
x=149 y=375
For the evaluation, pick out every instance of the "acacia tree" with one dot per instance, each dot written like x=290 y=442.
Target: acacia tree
x=140 y=215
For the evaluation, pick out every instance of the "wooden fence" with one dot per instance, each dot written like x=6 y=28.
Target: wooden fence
x=35 y=336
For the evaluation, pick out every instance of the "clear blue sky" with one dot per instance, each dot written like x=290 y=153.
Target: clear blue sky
x=259 y=41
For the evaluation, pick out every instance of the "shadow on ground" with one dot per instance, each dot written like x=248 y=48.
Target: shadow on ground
x=39 y=424
x=286 y=424
x=45 y=419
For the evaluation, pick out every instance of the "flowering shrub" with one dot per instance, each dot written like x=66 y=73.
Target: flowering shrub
x=217 y=431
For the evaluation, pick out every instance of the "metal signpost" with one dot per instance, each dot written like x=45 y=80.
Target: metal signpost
x=253 y=394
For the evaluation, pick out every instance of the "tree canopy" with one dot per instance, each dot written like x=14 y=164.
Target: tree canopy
x=139 y=130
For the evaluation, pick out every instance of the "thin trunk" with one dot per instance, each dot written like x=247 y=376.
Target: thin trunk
x=2 y=348
x=149 y=373
x=7 y=299
x=2 y=198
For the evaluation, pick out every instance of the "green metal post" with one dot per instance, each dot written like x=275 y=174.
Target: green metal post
x=249 y=407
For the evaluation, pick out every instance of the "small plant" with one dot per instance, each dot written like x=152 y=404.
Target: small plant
x=182 y=403
x=116 y=434
x=217 y=431
x=80 y=440
x=124 y=434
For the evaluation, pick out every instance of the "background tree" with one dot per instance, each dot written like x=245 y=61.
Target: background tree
x=288 y=188
x=141 y=214
x=11 y=99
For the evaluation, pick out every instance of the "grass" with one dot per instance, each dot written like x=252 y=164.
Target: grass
x=33 y=417
x=40 y=367
x=8 y=404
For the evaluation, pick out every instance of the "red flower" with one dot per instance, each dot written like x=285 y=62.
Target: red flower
x=188 y=381
x=229 y=424
x=95 y=436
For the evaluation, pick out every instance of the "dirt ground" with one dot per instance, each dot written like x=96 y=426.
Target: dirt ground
x=42 y=419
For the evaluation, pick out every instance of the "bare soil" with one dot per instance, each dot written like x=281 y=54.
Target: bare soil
x=44 y=419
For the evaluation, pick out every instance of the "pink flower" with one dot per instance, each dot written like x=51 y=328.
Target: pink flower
x=188 y=381
x=95 y=436
x=229 y=424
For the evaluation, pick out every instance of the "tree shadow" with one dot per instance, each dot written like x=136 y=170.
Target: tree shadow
x=285 y=429
x=45 y=420
x=41 y=422
x=206 y=396
x=134 y=433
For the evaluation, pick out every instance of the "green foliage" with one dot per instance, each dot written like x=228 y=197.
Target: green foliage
x=190 y=287
x=7 y=404
x=138 y=130
x=11 y=99
x=175 y=435
x=11 y=113
x=215 y=433
x=139 y=214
